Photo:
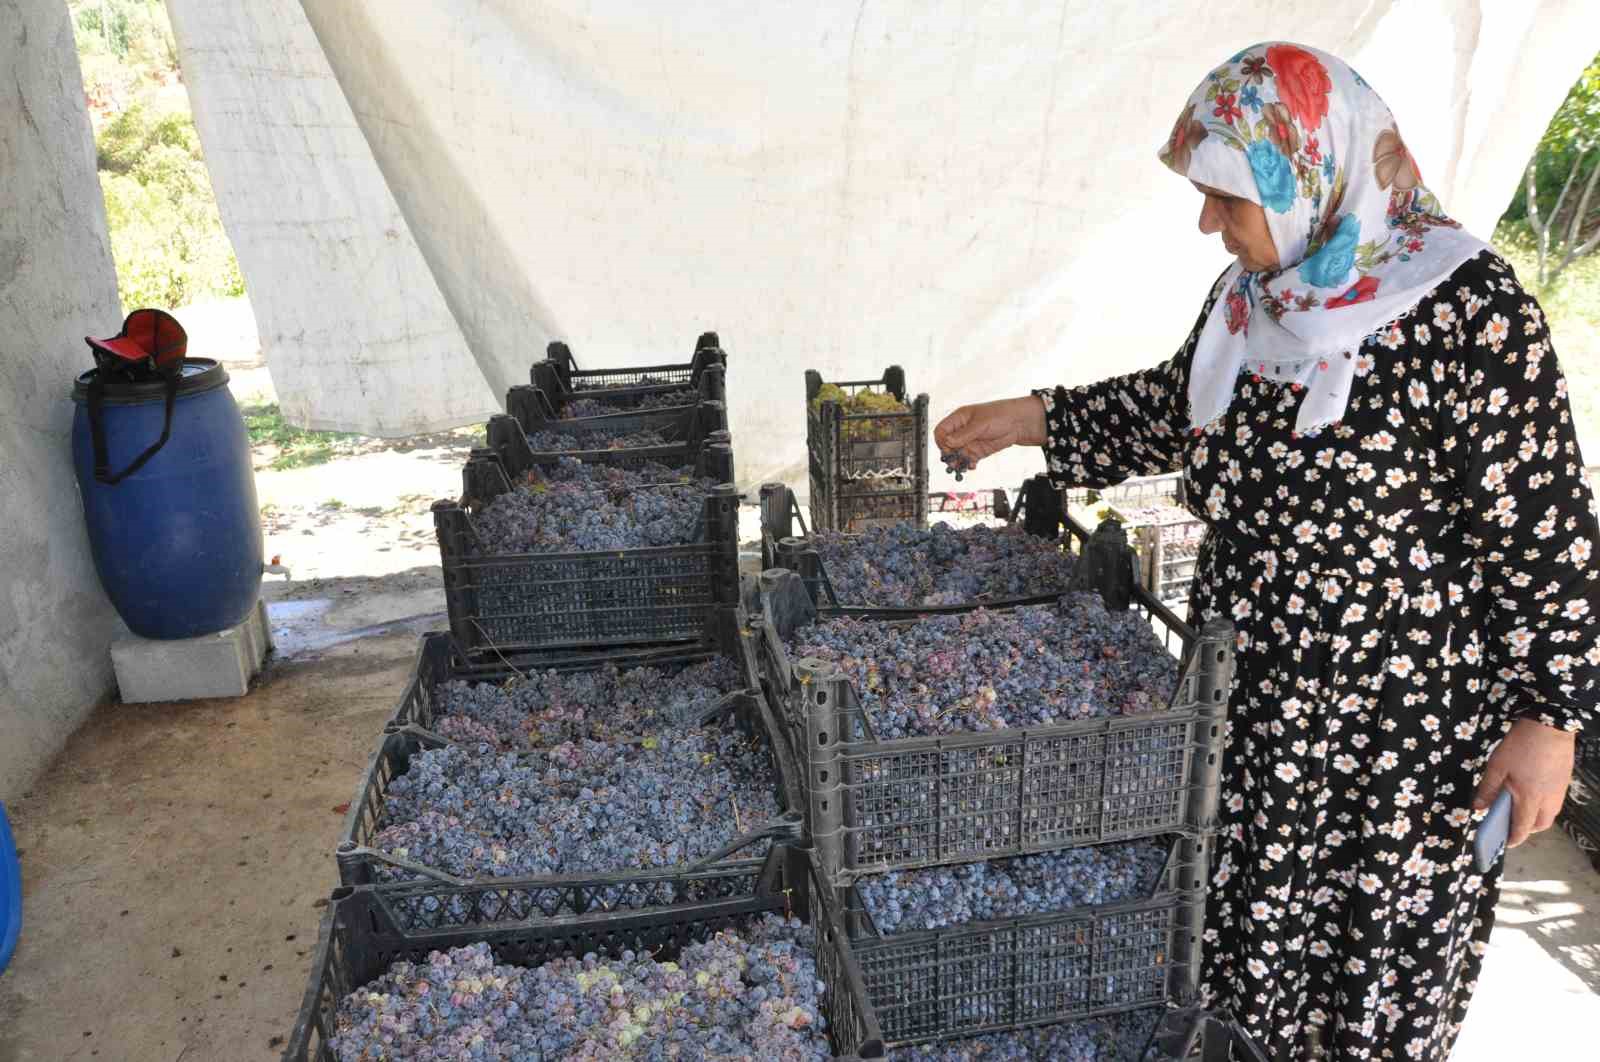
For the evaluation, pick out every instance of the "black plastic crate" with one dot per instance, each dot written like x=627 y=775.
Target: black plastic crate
x=707 y=352
x=1043 y=510
x=552 y=398
x=867 y=468
x=782 y=548
x=359 y=862
x=1166 y=542
x=408 y=733
x=508 y=604
x=1005 y=974
x=1588 y=753
x=440 y=658
x=1580 y=815
x=687 y=429
x=366 y=930
x=875 y=805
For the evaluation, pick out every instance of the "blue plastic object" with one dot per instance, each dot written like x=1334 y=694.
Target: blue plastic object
x=10 y=892
x=1493 y=832
x=178 y=542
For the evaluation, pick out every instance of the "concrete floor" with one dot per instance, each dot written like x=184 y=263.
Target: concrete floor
x=176 y=859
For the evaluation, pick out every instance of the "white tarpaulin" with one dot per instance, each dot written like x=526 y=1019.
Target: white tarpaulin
x=968 y=190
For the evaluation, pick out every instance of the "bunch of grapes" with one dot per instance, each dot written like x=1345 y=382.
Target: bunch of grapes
x=862 y=402
x=940 y=565
x=751 y=993
x=595 y=507
x=1117 y=1038
x=545 y=708
x=552 y=440
x=905 y=901
x=659 y=801
x=1023 y=667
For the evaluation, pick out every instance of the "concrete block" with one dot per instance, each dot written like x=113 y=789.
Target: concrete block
x=214 y=665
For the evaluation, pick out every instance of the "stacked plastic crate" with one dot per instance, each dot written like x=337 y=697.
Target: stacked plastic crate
x=1166 y=536
x=896 y=820
x=654 y=421
x=868 y=452
x=585 y=785
x=1580 y=816
x=577 y=764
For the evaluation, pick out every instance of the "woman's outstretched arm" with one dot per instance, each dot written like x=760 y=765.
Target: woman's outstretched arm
x=1095 y=435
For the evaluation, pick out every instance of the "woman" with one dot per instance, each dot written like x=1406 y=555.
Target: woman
x=1370 y=418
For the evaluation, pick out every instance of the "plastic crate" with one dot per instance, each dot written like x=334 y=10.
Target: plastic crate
x=709 y=385
x=366 y=930
x=867 y=468
x=407 y=734
x=782 y=548
x=512 y=603
x=1166 y=535
x=1580 y=815
x=1588 y=753
x=707 y=352
x=876 y=805
x=688 y=429
x=441 y=659
x=1010 y=973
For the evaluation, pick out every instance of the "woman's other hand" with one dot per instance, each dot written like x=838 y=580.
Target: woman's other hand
x=986 y=428
x=1534 y=761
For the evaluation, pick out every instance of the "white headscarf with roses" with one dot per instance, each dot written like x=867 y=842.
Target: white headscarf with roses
x=1360 y=241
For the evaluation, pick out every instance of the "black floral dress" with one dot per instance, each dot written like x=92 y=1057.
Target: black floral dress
x=1404 y=584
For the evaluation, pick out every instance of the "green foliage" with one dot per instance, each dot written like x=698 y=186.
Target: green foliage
x=296 y=447
x=166 y=233
x=1573 y=131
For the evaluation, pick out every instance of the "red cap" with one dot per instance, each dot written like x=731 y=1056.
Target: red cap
x=147 y=334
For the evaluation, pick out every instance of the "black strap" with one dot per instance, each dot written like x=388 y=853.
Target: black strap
x=97 y=431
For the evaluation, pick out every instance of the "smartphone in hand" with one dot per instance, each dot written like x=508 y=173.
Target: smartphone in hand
x=1492 y=832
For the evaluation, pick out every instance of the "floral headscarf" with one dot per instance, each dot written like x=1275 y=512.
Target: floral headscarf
x=1360 y=241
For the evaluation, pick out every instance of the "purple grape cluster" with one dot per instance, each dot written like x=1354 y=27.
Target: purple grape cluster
x=658 y=801
x=751 y=993
x=941 y=565
x=905 y=901
x=1116 y=1038
x=594 y=438
x=957 y=462
x=595 y=507
x=1030 y=666
x=545 y=708
x=596 y=407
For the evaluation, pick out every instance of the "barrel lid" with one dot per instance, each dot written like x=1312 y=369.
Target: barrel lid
x=199 y=375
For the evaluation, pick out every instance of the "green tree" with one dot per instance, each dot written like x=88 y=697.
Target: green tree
x=166 y=232
x=1567 y=227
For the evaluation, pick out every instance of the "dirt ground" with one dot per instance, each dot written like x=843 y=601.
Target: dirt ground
x=177 y=858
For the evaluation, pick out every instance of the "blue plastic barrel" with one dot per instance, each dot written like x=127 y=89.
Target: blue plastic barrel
x=178 y=542
x=10 y=892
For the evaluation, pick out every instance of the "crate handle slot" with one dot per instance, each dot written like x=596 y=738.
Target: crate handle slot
x=790 y=826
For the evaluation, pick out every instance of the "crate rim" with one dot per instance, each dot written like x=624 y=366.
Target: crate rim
x=765 y=724
x=791 y=896
x=1186 y=709
x=769 y=549
x=1161 y=889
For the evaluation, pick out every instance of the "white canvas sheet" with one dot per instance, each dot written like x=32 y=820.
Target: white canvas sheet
x=968 y=190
